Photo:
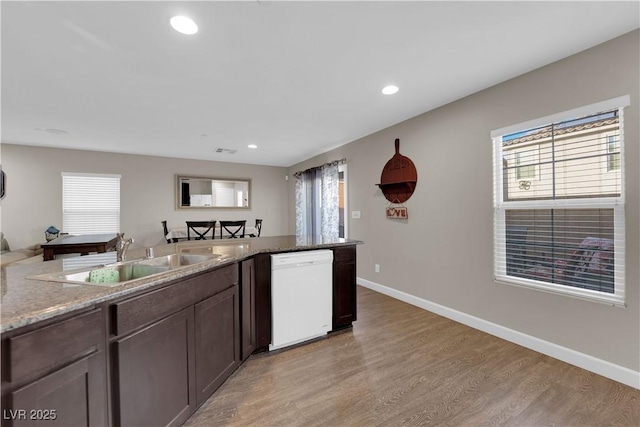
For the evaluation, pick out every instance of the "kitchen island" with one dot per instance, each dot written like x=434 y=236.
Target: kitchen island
x=150 y=350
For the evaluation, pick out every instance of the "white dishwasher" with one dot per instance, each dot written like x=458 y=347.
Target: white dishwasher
x=301 y=296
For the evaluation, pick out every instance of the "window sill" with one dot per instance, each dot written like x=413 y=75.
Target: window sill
x=568 y=291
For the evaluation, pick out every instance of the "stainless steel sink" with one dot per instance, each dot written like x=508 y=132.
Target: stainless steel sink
x=109 y=275
x=123 y=272
x=219 y=250
x=177 y=260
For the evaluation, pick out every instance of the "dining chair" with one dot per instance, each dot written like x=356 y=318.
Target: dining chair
x=258 y=228
x=234 y=228
x=166 y=231
x=197 y=226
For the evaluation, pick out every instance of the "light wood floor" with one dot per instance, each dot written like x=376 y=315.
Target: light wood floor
x=401 y=365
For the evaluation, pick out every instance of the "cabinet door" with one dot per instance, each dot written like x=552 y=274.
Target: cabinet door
x=344 y=287
x=154 y=373
x=217 y=342
x=72 y=396
x=247 y=309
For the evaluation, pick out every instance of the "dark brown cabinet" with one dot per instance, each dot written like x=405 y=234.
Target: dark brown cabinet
x=217 y=330
x=48 y=379
x=344 y=293
x=71 y=396
x=262 y=265
x=155 y=373
x=248 y=307
x=152 y=357
x=344 y=286
x=174 y=347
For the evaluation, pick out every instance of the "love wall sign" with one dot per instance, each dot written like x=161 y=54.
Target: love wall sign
x=397 y=212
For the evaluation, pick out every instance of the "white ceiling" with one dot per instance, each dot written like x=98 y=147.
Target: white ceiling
x=294 y=78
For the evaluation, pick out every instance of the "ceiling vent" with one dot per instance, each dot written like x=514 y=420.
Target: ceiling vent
x=226 y=150
x=56 y=131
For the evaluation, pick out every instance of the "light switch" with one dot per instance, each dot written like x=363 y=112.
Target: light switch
x=355 y=214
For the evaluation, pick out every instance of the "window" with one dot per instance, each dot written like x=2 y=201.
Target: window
x=525 y=164
x=317 y=201
x=563 y=232
x=613 y=148
x=90 y=203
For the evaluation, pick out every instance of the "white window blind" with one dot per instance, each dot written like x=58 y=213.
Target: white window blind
x=559 y=224
x=90 y=203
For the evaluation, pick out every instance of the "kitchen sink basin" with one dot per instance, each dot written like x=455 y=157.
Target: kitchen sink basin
x=127 y=271
x=219 y=250
x=108 y=275
x=177 y=260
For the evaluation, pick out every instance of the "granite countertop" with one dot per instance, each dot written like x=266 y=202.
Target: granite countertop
x=25 y=301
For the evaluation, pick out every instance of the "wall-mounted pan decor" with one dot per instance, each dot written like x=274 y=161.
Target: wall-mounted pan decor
x=399 y=178
x=1 y=183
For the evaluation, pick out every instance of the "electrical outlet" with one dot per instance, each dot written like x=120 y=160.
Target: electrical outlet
x=355 y=214
x=377 y=268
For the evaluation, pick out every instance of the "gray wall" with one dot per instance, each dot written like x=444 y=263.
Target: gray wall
x=443 y=252
x=33 y=199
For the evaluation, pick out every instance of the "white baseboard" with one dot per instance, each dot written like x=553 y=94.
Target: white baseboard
x=601 y=367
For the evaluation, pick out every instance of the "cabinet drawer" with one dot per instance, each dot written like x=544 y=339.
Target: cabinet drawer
x=345 y=254
x=45 y=349
x=149 y=307
x=74 y=395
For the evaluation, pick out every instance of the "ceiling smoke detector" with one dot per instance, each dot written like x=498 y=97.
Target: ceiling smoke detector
x=226 y=150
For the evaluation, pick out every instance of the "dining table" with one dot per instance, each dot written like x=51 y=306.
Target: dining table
x=180 y=233
x=83 y=244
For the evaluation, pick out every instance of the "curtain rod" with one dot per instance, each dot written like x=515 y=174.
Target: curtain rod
x=332 y=163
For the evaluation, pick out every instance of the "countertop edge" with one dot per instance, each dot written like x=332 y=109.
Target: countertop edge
x=156 y=281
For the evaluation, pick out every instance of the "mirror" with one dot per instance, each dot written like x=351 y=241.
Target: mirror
x=197 y=192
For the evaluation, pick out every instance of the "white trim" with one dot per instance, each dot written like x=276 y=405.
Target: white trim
x=601 y=367
x=593 y=203
x=98 y=175
x=622 y=143
x=619 y=102
x=616 y=300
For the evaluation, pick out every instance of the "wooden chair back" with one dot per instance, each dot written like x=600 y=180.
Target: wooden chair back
x=166 y=231
x=200 y=229
x=258 y=228
x=234 y=228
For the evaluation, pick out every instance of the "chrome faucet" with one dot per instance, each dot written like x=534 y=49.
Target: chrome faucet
x=121 y=247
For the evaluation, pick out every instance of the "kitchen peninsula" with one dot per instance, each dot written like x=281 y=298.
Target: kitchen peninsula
x=85 y=354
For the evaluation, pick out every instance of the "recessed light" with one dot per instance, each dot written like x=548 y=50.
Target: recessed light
x=390 y=90
x=184 y=25
x=252 y=146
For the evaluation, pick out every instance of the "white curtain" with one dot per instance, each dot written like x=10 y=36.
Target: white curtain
x=317 y=210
